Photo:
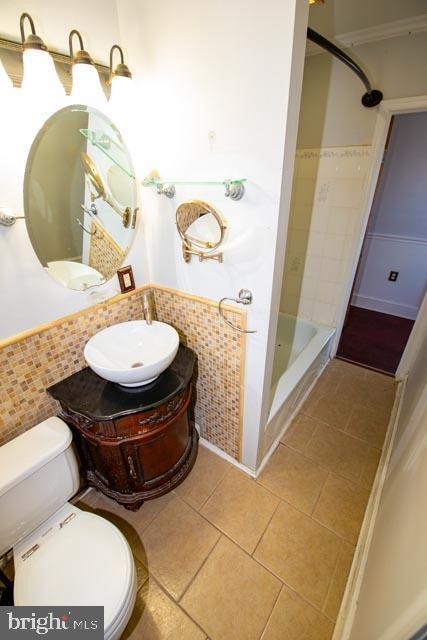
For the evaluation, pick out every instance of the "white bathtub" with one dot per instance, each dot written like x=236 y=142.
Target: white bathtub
x=302 y=351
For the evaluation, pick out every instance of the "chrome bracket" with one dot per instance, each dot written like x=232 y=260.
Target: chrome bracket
x=7 y=219
x=234 y=190
x=167 y=190
x=92 y=211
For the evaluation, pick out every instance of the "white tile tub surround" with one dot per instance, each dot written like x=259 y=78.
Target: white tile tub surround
x=325 y=222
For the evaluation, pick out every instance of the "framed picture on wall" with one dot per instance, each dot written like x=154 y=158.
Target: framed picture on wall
x=126 y=279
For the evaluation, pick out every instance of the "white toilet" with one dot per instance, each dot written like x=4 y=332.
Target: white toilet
x=62 y=555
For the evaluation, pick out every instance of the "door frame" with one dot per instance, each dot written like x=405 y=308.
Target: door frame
x=386 y=110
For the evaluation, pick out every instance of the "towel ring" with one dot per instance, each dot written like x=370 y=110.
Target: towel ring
x=90 y=233
x=244 y=297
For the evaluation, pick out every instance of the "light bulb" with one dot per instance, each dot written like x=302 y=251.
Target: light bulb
x=122 y=90
x=40 y=77
x=87 y=87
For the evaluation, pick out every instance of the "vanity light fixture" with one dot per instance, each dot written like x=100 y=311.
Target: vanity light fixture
x=5 y=82
x=122 y=70
x=39 y=77
x=87 y=87
x=120 y=77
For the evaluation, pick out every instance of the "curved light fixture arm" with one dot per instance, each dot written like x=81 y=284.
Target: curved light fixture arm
x=116 y=47
x=73 y=33
x=32 y=41
x=121 y=70
x=26 y=16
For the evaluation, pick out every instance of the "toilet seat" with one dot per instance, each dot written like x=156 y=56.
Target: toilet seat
x=81 y=559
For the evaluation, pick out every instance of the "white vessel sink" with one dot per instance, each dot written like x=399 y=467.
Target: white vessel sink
x=132 y=353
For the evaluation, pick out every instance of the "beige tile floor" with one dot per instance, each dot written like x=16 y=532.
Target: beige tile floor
x=227 y=557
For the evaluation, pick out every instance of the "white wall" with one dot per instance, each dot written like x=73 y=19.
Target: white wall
x=392 y=604
x=397 y=230
x=382 y=254
x=203 y=67
x=28 y=296
x=399 y=207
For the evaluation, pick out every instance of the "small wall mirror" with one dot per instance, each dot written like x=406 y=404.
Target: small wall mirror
x=202 y=230
x=80 y=197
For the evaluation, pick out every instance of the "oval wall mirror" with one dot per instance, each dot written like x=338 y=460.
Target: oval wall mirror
x=202 y=230
x=80 y=197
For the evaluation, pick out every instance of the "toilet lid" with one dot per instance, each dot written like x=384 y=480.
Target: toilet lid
x=86 y=562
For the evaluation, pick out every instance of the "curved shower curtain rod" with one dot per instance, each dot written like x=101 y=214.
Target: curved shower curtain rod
x=372 y=97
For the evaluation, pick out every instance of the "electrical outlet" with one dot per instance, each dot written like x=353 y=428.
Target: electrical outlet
x=393 y=276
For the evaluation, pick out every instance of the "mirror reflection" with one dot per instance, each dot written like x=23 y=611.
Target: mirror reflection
x=80 y=197
x=202 y=229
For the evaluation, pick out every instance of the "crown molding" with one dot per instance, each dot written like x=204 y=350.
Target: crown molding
x=405 y=27
x=395 y=29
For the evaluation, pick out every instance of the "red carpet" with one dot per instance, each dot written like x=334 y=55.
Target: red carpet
x=374 y=339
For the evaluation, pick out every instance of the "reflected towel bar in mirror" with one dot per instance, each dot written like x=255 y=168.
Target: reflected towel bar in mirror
x=91 y=233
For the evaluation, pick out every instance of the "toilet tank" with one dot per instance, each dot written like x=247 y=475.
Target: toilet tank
x=38 y=475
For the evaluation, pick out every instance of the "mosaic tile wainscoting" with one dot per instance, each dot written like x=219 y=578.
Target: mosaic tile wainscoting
x=104 y=254
x=33 y=361
x=218 y=400
x=47 y=355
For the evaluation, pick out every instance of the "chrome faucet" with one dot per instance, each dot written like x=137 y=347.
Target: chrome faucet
x=147 y=306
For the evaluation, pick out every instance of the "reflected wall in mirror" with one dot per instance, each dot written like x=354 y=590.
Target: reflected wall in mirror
x=202 y=230
x=80 y=197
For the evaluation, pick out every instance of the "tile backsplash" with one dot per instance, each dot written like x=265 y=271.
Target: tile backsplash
x=104 y=252
x=38 y=359
x=218 y=406
x=324 y=225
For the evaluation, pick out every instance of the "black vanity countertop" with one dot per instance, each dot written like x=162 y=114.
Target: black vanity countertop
x=86 y=393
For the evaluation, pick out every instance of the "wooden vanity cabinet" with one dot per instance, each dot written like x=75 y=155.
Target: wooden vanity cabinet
x=146 y=445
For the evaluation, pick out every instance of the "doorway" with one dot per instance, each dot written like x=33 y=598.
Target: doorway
x=391 y=275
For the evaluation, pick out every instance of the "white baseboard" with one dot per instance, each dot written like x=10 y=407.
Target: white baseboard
x=219 y=452
x=385 y=306
x=348 y=608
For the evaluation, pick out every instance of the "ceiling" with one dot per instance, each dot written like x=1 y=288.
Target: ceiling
x=341 y=16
